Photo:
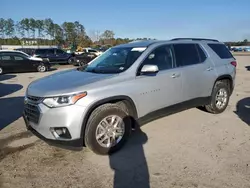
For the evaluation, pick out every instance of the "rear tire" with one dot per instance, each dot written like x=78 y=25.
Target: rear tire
x=96 y=118
x=219 y=98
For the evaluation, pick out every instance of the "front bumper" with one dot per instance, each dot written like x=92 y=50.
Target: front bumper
x=71 y=143
x=70 y=117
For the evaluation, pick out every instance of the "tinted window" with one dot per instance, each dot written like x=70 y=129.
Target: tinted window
x=92 y=51
x=186 y=54
x=59 y=51
x=18 y=58
x=202 y=54
x=45 y=51
x=50 y=51
x=161 y=56
x=221 y=50
x=41 y=51
x=5 y=57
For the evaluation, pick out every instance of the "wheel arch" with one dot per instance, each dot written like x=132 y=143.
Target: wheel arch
x=226 y=77
x=114 y=99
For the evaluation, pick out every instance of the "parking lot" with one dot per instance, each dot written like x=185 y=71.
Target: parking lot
x=188 y=149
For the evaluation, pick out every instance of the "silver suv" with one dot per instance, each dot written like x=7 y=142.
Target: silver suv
x=99 y=104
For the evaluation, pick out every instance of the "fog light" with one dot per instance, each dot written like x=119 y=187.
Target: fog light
x=60 y=132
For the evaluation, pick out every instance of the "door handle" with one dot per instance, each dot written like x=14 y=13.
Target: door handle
x=209 y=68
x=175 y=75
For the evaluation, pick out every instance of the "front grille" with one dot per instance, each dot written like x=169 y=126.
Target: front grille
x=34 y=99
x=31 y=109
x=32 y=112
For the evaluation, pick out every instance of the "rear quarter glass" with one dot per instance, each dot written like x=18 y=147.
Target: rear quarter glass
x=221 y=50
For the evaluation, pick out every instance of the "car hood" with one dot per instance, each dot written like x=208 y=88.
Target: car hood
x=65 y=82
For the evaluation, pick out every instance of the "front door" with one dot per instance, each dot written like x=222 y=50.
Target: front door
x=162 y=89
x=22 y=63
x=50 y=54
x=61 y=56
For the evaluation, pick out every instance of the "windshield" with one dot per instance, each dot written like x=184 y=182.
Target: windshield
x=114 y=60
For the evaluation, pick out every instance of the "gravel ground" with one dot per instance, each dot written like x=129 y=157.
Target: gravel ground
x=187 y=149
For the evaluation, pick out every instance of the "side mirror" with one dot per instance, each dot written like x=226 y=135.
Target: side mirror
x=149 y=69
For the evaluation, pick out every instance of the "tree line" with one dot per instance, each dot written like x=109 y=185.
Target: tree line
x=239 y=43
x=47 y=32
x=30 y=31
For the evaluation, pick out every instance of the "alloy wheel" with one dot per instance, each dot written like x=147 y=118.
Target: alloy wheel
x=41 y=68
x=221 y=98
x=110 y=131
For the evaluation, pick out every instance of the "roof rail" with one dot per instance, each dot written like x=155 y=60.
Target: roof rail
x=140 y=40
x=194 y=39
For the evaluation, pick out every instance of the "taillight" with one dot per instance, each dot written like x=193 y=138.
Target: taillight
x=234 y=63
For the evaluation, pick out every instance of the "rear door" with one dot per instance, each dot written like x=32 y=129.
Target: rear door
x=198 y=72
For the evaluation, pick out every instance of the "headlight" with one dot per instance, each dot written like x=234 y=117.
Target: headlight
x=53 y=102
x=77 y=60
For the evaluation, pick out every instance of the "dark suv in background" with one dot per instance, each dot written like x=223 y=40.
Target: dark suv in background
x=54 y=55
x=29 y=51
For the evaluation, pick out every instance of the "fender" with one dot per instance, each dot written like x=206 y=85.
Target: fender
x=103 y=101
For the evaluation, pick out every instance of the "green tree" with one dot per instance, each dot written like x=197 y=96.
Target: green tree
x=70 y=32
x=107 y=37
x=32 y=24
x=2 y=27
x=20 y=30
x=79 y=28
x=245 y=42
x=108 y=34
x=81 y=39
x=25 y=24
x=9 y=27
x=58 y=37
x=40 y=29
x=49 y=27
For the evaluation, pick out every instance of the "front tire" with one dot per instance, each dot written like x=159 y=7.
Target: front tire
x=70 y=60
x=219 y=98
x=41 y=68
x=107 y=130
x=81 y=63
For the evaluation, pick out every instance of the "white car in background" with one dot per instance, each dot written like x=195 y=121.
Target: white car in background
x=90 y=50
x=247 y=49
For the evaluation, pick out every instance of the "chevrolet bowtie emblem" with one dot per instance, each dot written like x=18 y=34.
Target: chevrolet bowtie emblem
x=25 y=100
